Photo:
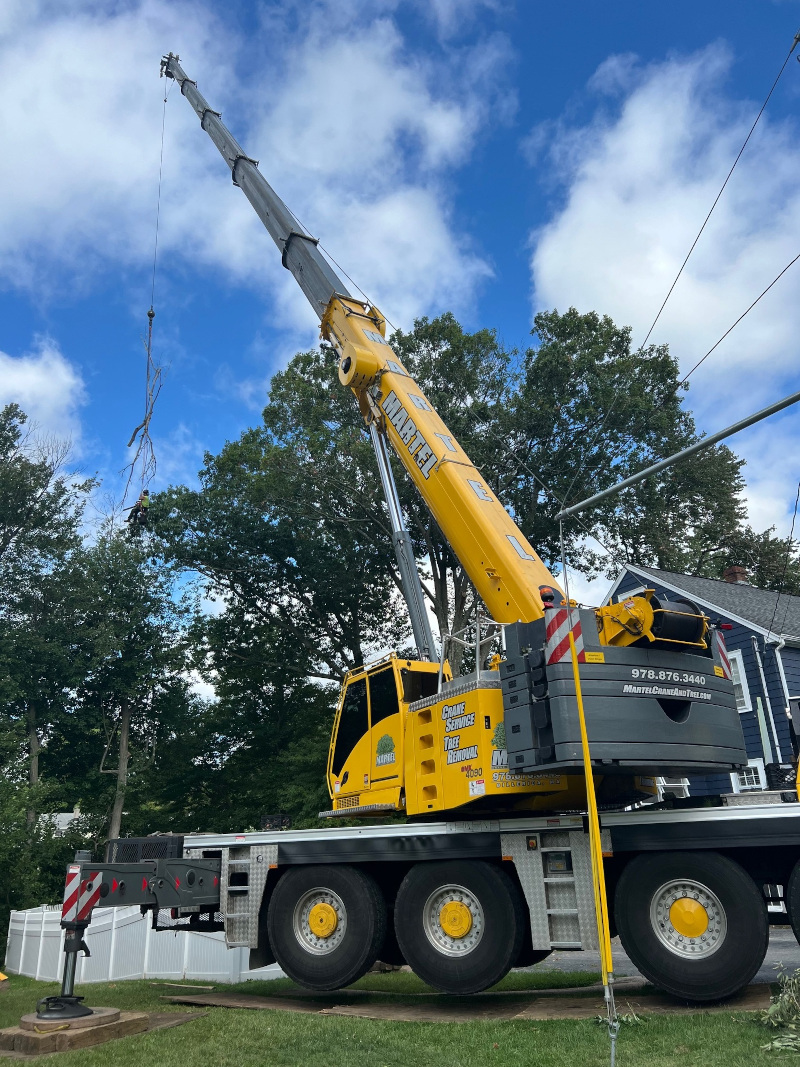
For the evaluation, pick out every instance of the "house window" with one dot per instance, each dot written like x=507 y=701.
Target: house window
x=679 y=787
x=739 y=678
x=749 y=778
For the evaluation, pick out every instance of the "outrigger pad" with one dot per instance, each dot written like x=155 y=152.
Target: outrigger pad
x=62 y=1007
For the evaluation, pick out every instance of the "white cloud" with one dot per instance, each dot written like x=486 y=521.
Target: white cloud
x=451 y=16
x=590 y=592
x=179 y=456
x=47 y=387
x=361 y=140
x=356 y=133
x=772 y=450
x=637 y=182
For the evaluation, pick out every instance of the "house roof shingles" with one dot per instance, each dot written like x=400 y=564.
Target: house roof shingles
x=755 y=605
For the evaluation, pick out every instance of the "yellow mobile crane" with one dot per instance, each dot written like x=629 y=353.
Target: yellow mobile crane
x=473 y=883
x=410 y=738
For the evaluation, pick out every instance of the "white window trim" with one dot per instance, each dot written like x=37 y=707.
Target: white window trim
x=632 y=592
x=678 y=786
x=735 y=655
x=762 y=777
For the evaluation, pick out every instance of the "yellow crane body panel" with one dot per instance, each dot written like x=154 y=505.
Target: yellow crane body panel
x=502 y=565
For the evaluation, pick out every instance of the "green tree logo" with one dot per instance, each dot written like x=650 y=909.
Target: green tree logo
x=499 y=736
x=384 y=750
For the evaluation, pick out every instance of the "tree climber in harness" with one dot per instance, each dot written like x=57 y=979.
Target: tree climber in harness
x=138 y=513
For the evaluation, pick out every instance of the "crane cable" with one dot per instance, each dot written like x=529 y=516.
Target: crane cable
x=153 y=373
x=613 y=404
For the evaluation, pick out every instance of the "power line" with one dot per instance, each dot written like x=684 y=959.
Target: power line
x=692 y=248
x=744 y=313
x=722 y=189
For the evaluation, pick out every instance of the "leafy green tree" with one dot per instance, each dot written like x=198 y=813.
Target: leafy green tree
x=45 y=646
x=40 y=510
x=40 y=504
x=135 y=677
x=771 y=562
x=41 y=649
x=288 y=526
x=260 y=747
x=576 y=412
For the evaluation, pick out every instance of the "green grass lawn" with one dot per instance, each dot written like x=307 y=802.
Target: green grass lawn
x=265 y=1038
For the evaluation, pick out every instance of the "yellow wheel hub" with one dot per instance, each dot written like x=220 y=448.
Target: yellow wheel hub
x=323 y=920
x=688 y=917
x=455 y=919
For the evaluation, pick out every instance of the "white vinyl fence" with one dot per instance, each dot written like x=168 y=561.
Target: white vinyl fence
x=123 y=945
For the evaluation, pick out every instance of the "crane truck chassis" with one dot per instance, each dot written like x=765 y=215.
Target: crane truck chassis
x=504 y=876
x=463 y=901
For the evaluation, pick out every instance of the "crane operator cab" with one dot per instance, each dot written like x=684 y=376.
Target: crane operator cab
x=368 y=743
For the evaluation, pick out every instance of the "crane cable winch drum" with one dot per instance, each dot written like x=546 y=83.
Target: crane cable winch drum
x=676 y=621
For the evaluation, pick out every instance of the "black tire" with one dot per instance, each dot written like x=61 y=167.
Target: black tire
x=530 y=956
x=465 y=963
x=704 y=967
x=390 y=952
x=333 y=959
x=793 y=900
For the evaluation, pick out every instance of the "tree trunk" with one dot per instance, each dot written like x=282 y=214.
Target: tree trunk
x=122 y=771
x=34 y=748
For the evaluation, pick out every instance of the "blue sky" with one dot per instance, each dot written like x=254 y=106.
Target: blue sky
x=489 y=157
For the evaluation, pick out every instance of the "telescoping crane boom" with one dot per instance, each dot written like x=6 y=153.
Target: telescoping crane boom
x=407 y=736
x=501 y=564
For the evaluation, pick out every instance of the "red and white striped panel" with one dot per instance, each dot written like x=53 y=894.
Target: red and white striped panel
x=557 y=623
x=71 y=893
x=89 y=897
x=722 y=652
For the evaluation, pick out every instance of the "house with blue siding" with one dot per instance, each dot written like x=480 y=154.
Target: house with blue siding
x=762 y=635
